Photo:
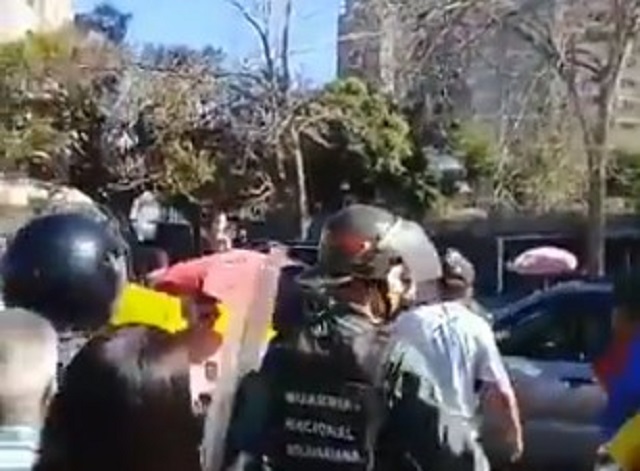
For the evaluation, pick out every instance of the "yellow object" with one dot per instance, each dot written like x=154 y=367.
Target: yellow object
x=624 y=448
x=140 y=305
x=222 y=324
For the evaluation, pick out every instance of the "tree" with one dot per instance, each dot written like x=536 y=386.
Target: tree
x=162 y=109
x=363 y=143
x=435 y=45
x=44 y=84
x=92 y=115
x=311 y=146
x=265 y=104
x=108 y=20
x=587 y=55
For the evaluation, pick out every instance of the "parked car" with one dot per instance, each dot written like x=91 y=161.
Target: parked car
x=549 y=340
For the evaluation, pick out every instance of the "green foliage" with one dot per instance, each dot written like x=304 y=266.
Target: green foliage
x=57 y=95
x=67 y=106
x=478 y=151
x=373 y=128
x=368 y=145
x=29 y=98
x=544 y=172
x=624 y=177
x=187 y=169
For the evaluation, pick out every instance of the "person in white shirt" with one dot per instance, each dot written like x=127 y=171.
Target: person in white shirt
x=462 y=351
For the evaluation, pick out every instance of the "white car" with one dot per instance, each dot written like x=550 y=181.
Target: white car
x=549 y=340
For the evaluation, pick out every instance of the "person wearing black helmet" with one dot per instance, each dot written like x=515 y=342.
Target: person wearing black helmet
x=68 y=267
x=338 y=392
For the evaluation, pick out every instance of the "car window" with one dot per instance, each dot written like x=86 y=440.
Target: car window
x=544 y=334
x=568 y=327
x=592 y=314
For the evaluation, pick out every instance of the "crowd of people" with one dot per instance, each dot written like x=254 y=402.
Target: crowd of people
x=379 y=361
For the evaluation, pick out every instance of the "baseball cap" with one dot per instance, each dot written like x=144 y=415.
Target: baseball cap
x=457 y=268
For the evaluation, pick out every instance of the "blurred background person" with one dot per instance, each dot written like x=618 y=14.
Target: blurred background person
x=618 y=370
x=28 y=362
x=241 y=241
x=148 y=259
x=125 y=405
x=220 y=239
x=458 y=280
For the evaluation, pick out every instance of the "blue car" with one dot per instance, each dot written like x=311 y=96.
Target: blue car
x=549 y=340
x=569 y=322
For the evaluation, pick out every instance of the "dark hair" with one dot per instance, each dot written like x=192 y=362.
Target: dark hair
x=124 y=405
x=147 y=259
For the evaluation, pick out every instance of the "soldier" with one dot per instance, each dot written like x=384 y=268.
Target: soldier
x=67 y=267
x=337 y=392
x=72 y=269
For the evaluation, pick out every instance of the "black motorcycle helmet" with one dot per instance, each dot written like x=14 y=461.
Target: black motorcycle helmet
x=68 y=267
x=366 y=242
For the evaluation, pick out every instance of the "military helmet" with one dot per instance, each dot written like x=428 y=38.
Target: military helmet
x=365 y=242
x=68 y=267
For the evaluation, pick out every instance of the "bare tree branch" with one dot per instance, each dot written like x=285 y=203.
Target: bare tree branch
x=284 y=53
x=263 y=36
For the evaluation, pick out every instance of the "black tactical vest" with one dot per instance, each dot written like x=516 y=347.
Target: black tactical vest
x=328 y=397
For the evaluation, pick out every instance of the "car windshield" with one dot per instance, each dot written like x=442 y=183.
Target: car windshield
x=560 y=290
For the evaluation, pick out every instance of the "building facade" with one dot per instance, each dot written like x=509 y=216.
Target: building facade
x=18 y=17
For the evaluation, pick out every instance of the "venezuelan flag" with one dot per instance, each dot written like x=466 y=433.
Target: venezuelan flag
x=140 y=305
x=624 y=447
x=618 y=371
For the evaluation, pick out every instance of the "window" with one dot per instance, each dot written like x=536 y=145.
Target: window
x=629 y=126
x=543 y=334
x=628 y=83
x=345 y=7
x=629 y=105
x=592 y=316
x=355 y=59
x=572 y=327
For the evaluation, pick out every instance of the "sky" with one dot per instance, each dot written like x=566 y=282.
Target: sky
x=214 y=22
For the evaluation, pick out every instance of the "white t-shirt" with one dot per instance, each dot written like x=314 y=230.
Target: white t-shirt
x=460 y=348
